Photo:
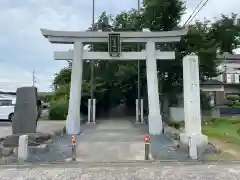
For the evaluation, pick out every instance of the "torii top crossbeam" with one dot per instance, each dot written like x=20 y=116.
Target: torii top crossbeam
x=69 y=37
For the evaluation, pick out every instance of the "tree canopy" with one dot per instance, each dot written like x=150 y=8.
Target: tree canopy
x=117 y=80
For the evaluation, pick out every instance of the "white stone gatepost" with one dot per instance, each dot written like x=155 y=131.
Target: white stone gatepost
x=192 y=109
x=139 y=111
x=73 y=118
x=91 y=110
x=154 y=116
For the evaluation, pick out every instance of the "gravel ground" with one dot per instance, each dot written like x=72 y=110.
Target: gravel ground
x=126 y=171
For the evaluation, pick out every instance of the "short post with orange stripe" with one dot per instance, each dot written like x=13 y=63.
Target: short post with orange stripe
x=74 y=144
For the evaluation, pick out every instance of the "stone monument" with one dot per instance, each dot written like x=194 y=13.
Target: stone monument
x=25 y=115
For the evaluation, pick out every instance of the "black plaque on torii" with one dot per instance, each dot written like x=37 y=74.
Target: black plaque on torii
x=114 y=44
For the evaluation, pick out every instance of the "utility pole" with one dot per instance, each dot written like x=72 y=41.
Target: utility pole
x=92 y=63
x=139 y=79
x=33 y=78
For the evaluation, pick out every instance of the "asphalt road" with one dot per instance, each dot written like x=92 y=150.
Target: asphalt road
x=123 y=171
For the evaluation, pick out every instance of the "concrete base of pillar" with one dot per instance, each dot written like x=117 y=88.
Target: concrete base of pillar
x=201 y=140
x=91 y=122
x=155 y=124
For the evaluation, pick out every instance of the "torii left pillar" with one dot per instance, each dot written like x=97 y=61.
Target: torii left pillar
x=73 y=117
x=154 y=116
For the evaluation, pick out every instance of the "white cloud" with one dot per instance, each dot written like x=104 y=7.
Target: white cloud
x=23 y=48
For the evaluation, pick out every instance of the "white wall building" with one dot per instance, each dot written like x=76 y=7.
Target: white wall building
x=230 y=68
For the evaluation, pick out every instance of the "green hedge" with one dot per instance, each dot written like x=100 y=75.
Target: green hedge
x=237 y=104
x=233 y=97
x=58 y=109
x=232 y=103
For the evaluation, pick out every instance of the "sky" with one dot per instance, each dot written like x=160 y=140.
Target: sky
x=23 y=49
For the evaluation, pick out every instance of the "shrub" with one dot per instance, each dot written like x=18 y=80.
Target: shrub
x=233 y=97
x=58 y=109
x=205 y=101
x=229 y=103
x=237 y=104
x=238 y=131
x=232 y=103
x=175 y=124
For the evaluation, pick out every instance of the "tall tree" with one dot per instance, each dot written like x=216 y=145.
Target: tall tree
x=162 y=15
x=226 y=32
x=118 y=80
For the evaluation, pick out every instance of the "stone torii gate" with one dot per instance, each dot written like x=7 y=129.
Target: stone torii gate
x=150 y=54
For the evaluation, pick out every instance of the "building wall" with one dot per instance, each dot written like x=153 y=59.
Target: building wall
x=231 y=72
x=231 y=90
x=6 y=96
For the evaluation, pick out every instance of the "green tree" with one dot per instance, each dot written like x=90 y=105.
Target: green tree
x=226 y=33
x=116 y=81
x=62 y=78
x=162 y=15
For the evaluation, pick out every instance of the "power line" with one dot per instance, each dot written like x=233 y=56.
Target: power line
x=194 y=13
x=204 y=4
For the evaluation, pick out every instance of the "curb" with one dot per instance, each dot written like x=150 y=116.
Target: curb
x=8 y=151
x=45 y=146
x=113 y=163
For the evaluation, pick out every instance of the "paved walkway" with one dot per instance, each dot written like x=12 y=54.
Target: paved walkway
x=109 y=141
x=112 y=140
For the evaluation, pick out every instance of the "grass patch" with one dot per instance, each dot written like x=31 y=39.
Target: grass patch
x=214 y=158
x=222 y=156
x=225 y=129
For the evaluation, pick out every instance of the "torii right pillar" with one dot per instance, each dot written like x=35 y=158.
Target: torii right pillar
x=192 y=108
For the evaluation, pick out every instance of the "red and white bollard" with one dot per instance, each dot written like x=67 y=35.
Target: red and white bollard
x=74 y=144
x=147 y=147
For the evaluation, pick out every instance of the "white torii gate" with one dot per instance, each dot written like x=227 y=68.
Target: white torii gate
x=150 y=54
